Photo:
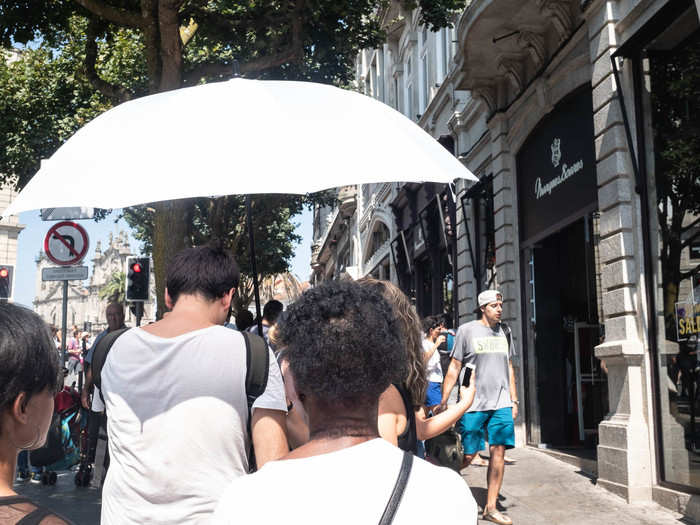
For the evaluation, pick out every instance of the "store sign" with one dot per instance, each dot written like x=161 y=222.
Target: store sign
x=687 y=320
x=556 y=167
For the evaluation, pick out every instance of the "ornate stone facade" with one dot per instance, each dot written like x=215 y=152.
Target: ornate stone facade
x=85 y=309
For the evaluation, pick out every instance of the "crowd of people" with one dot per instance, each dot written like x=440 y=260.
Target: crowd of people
x=353 y=385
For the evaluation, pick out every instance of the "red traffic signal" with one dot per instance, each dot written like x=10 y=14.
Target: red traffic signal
x=137 y=278
x=6 y=282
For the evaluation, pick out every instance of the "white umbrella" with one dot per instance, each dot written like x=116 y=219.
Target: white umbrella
x=236 y=137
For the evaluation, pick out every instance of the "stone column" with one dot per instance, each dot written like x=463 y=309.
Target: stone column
x=506 y=240
x=624 y=454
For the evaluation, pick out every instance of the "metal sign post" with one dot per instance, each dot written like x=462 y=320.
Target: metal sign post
x=64 y=322
x=66 y=243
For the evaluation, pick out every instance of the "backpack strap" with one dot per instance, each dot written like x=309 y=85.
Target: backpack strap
x=99 y=356
x=257 y=363
x=507 y=332
x=257 y=360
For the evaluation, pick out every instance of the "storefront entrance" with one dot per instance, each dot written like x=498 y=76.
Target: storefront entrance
x=567 y=389
x=566 y=386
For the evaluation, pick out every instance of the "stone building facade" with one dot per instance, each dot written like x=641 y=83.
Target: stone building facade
x=85 y=308
x=579 y=120
x=10 y=229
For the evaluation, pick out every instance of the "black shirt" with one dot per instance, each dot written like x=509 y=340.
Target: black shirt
x=26 y=512
x=408 y=440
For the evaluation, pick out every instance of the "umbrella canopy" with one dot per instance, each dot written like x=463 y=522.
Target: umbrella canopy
x=236 y=137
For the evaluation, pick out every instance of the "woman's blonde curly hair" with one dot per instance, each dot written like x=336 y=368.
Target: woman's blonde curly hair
x=415 y=382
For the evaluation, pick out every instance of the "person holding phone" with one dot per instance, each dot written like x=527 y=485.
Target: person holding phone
x=485 y=347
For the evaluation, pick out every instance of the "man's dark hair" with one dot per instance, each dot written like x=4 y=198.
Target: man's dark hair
x=244 y=320
x=343 y=343
x=28 y=357
x=272 y=310
x=209 y=270
x=431 y=322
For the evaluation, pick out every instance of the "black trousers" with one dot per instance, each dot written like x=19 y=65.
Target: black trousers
x=95 y=421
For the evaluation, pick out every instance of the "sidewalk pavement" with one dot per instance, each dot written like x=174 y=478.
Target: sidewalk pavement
x=537 y=490
x=81 y=505
x=541 y=490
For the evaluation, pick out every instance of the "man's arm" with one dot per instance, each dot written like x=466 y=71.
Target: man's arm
x=269 y=436
x=513 y=390
x=87 y=387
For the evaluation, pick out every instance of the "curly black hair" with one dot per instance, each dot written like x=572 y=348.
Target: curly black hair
x=343 y=343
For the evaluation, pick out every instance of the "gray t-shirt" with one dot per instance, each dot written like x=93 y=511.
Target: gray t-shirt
x=487 y=351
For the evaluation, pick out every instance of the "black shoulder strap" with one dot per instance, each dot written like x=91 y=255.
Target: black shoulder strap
x=396 y=495
x=99 y=356
x=257 y=362
x=34 y=517
x=507 y=333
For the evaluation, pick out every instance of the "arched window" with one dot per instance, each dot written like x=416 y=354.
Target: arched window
x=379 y=236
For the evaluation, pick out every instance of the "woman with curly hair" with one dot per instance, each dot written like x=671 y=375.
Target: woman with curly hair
x=402 y=416
x=345 y=473
x=29 y=378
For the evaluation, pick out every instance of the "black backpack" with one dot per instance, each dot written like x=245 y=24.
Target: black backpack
x=257 y=362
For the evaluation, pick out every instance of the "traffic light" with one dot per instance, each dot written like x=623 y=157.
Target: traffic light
x=137 y=278
x=6 y=281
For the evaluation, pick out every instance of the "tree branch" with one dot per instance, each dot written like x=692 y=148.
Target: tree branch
x=292 y=52
x=114 y=92
x=690 y=239
x=689 y=273
x=122 y=17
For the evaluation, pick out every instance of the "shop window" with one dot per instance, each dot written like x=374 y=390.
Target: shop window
x=445 y=52
x=400 y=247
x=477 y=204
x=665 y=68
x=397 y=92
x=408 y=79
x=674 y=78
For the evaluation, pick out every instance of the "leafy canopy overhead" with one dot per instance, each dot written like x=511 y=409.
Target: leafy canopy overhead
x=94 y=54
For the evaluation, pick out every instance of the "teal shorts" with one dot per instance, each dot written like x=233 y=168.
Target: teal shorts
x=498 y=423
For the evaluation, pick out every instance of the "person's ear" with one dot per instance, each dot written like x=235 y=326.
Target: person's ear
x=18 y=408
x=168 y=300
x=228 y=297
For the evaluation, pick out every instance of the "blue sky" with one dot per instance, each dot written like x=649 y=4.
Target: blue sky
x=31 y=242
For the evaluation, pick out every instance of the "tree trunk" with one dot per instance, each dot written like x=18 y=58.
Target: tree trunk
x=172 y=222
x=170 y=235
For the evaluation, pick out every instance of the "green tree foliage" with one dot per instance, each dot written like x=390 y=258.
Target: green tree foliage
x=97 y=53
x=114 y=290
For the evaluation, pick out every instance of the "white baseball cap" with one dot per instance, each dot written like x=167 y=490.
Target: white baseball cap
x=488 y=297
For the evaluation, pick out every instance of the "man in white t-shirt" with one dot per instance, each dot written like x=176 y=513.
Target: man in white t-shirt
x=175 y=396
x=345 y=473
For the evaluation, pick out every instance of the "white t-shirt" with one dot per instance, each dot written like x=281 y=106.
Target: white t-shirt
x=177 y=417
x=433 y=369
x=350 y=486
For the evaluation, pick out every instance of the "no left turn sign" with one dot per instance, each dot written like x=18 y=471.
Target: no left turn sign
x=66 y=243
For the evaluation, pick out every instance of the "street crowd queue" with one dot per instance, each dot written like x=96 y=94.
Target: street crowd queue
x=350 y=390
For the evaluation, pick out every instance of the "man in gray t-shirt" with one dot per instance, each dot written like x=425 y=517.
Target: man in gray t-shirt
x=483 y=347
